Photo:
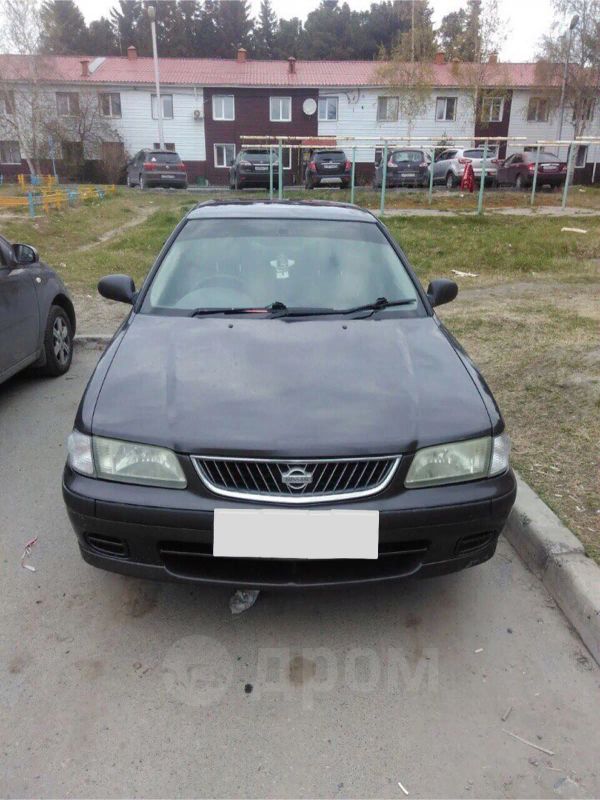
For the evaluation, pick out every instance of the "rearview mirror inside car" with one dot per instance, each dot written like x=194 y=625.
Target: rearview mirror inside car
x=25 y=254
x=117 y=287
x=441 y=291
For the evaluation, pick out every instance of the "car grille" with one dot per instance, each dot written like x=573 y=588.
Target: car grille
x=295 y=481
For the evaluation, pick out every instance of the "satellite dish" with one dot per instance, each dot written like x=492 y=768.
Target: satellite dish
x=309 y=106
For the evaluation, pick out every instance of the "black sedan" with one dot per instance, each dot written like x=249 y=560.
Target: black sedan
x=282 y=407
x=37 y=318
x=405 y=167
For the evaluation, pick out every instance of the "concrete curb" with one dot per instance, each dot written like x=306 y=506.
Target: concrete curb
x=557 y=557
x=92 y=340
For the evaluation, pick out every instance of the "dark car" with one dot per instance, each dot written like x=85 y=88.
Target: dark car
x=37 y=318
x=157 y=168
x=406 y=166
x=282 y=407
x=518 y=170
x=251 y=168
x=328 y=168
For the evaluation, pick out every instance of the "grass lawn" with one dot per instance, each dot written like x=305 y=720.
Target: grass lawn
x=530 y=319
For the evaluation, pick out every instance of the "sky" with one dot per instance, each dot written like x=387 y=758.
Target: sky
x=525 y=21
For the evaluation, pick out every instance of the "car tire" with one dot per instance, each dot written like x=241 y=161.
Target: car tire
x=451 y=181
x=58 y=343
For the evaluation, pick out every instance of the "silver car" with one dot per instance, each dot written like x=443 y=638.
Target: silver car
x=37 y=318
x=450 y=164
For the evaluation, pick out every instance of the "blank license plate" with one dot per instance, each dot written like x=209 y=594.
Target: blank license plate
x=330 y=180
x=408 y=174
x=291 y=533
x=261 y=169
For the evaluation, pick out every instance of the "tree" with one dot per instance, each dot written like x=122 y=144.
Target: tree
x=101 y=38
x=131 y=26
x=26 y=105
x=583 y=74
x=289 y=39
x=233 y=27
x=264 y=36
x=460 y=34
x=63 y=28
x=411 y=82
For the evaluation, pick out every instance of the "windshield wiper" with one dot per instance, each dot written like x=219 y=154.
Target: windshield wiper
x=377 y=305
x=204 y=312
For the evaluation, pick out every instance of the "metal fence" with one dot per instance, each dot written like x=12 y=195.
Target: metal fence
x=275 y=145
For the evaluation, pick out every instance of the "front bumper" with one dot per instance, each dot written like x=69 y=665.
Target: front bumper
x=168 y=534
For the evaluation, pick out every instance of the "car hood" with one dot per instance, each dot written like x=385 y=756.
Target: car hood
x=288 y=388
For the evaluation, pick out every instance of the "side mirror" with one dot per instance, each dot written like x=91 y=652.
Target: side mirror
x=117 y=287
x=441 y=291
x=25 y=254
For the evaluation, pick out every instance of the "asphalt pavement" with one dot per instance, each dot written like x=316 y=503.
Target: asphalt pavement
x=112 y=687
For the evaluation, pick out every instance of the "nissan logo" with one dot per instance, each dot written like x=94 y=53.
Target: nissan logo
x=296 y=478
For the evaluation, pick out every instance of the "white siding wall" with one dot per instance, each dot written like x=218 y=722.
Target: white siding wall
x=139 y=129
x=535 y=131
x=357 y=117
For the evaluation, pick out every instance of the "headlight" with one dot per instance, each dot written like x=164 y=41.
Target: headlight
x=126 y=462
x=459 y=461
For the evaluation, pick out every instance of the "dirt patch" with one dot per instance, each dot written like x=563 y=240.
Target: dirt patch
x=141 y=215
x=95 y=315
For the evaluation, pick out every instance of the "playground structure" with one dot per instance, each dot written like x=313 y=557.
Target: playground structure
x=276 y=144
x=43 y=194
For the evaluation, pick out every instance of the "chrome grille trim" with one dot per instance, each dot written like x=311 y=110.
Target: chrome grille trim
x=262 y=478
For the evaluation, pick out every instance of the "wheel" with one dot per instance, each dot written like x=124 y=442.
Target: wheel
x=519 y=182
x=142 y=183
x=450 y=181
x=58 y=342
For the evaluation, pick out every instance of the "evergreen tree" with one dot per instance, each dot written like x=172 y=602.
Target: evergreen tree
x=289 y=39
x=101 y=39
x=233 y=27
x=63 y=28
x=264 y=37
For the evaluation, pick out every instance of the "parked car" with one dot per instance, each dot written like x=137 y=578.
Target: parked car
x=282 y=407
x=251 y=168
x=450 y=164
x=157 y=168
x=406 y=166
x=519 y=168
x=328 y=167
x=37 y=318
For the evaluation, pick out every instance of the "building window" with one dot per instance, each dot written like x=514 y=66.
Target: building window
x=7 y=102
x=280 y=109
x=10 y=153
x=445 y=108
x=224 y=154
x=168 y=146
x=583 y=110
x=67 y=104
x=328 y=109
x=537 y=110
x=167 y=106
x=388 y=109
x=223 y=107
x=492 y=109
x=110 y=104
x=581 y=155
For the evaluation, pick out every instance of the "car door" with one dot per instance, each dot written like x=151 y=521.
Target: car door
x=516 y=166
x=503 y=170
x=443 y=163
x=19 y=312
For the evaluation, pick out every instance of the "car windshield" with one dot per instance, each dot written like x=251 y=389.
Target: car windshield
x=253 y=263
x=408 y=155
x=164 y=158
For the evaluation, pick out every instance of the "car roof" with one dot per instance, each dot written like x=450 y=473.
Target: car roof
x=280 y=209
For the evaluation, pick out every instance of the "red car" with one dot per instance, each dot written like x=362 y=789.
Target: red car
x=518 y=170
